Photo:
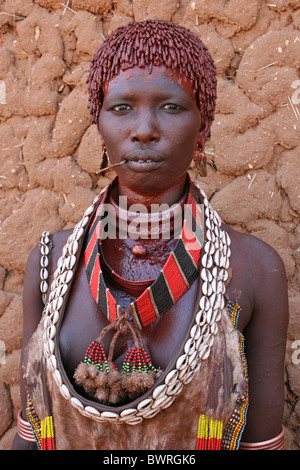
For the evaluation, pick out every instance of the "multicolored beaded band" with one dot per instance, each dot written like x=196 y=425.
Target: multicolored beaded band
x=24 y=428
x=209 y=434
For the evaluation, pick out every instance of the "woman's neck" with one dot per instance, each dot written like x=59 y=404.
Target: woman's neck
x=169 y=196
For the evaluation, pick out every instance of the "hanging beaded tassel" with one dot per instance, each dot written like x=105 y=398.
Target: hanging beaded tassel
x=100 y=377
x=139 y=374
x=137 y=360
x=95 y=354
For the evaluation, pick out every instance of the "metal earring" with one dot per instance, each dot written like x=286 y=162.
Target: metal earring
x=104 y=161
x=200 y=161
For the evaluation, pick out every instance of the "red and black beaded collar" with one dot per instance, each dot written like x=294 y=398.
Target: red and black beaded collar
x=177 y=275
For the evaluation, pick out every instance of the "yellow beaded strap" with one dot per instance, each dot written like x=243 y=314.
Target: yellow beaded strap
x=47 y=434
x=209 y=434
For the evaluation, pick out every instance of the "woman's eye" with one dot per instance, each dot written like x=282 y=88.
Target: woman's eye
x=121 y=107
x=172 y=107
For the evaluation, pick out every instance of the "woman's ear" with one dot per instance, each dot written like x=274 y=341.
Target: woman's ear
x=99 y=132
x=203 y=134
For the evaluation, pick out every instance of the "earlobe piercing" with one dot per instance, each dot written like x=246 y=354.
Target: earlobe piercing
x=104 y=162
x=200 y=160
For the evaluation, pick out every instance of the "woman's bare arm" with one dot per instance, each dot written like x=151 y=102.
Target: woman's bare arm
x=32 y=312
x=265 y=343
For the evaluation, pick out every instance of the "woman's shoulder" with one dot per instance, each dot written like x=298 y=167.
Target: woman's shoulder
x=259 y=274
x=254 y=251
x=59 y=239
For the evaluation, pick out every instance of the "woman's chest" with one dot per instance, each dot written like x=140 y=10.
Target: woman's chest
x=83 y=322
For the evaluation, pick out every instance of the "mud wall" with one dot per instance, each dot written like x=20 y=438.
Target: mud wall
x=50 y=153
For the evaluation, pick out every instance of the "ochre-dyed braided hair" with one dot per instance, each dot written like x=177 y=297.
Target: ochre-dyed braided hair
x=154 y=43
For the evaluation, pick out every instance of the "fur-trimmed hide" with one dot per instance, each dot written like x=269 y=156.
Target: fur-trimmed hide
x=216 y=386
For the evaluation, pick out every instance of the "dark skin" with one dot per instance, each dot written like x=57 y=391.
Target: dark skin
x=155 y=117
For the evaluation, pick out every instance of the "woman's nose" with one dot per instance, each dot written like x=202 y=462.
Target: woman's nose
x=145 y=128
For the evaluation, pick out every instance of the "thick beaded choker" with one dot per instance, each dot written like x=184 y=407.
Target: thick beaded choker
x=214 y=266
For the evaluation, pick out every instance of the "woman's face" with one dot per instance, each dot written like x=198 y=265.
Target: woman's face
x=153 y=122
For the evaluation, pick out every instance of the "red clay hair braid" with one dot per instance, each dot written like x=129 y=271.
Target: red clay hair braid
x=154 y=43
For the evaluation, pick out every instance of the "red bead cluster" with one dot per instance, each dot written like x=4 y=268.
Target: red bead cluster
x=95 y=354
x=137 y=360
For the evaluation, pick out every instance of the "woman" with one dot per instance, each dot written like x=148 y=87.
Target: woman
x=148 y=313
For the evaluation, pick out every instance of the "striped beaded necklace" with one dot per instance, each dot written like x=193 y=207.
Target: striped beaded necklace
x=177 y=275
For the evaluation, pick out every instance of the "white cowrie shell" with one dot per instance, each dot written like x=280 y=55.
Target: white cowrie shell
x=195 y=332
x=45 y=250
x=204 y=303
x=73 y=247
x=130 y=412
x=157 y=403
x=51 y=346
x=200 y=317
x=44 y=274
x=204 y=352
x=145 y=404
x=171 y=377
x=70 y=262
x=226 y=238
x=189 y=377
x=168 y=402
x=44 y=286
x=181 y=362
x=210 y=236
x=193 y=355
x=109 y=415
x=46 y=322
x=206 y=288
x=79 y=233
x=54 y=317
x=51 y=331
x=57 y=377
x=206 y=275
x=92 y=410
x=44 y=261
x=204 y=330
x=209 y=247
x=218 y=316
x=67 y=276
x=214 y=329
x=65 y=392
x=174 y=389
x=76 y=403
x=88 y=211
x=86 y=219
x=207 y=260
x=218 y=258
x=53 y=361
x=159 y=391
x=189 y=346
x=210 y=316
x=134 y=421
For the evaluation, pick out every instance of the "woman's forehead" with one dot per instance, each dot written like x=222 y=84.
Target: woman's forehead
x=160 y=76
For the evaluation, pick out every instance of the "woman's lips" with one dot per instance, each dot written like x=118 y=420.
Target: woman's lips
x=144 y=164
